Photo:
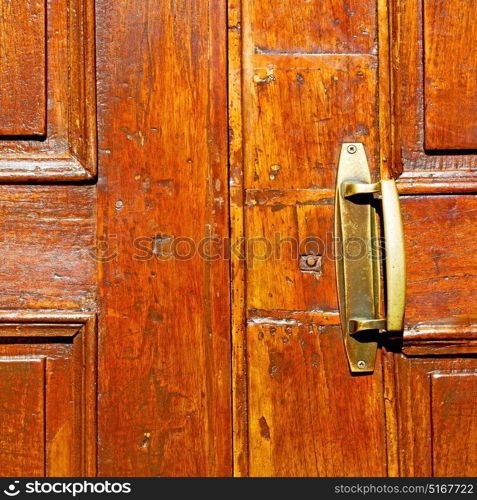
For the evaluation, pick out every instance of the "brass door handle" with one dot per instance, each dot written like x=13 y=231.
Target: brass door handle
x=359 y=273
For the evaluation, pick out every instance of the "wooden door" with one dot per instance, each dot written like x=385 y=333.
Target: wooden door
x=159 y=163
x=398 y=76
x=114 y=358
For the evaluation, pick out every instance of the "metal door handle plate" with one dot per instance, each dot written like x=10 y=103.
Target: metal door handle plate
x=359 y=275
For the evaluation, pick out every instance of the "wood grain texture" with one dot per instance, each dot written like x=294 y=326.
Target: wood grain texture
x=22 y=67
x=309 y=82
x=22 y=410
x=437 y=415
x=441 y=262
x=324 y=26
x=450 y=74
x=48 y=246
x=237 y=235
x=454 y=424
x=48 y=395
x=298 y=109
x=422 y=170
x=66 y=150
x=448 y=337
x=277 y=237
x=307 y=415
x=164 y=330
x=177 y=395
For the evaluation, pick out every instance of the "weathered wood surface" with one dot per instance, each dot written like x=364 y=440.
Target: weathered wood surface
x=22 y=67
x=164 y=359
x=48 y=90
x=177 y=379
x=48 y=394
x=415 y=30
x=309 y=83
x=450 y=83
x=436 y=401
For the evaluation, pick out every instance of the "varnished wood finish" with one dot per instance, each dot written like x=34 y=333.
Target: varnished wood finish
x=284 y=152
x=164 y=402
x=436 y=404
x=309 y=82
x=22 y=407
x=48 y=394
x=274 y=278
x=318 y=101
x=454 y=422
x=22 y=67
x=440 y=245
x=423 y=170
x=307 y=415
x=48 y=275
x=327 y=26
x=232 y=364
x=450 y=91
x=48 y=247
x=431 y=385
x=237 y=235
x=60 y=39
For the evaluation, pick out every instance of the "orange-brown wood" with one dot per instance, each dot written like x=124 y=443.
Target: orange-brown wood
x=298 y=108
x=309 y=82
x=48 y=273
x=48 y=395
x=426 y=171
x=221 y=357
x=54 y=40
x=308 y=416
x=454 y=422
x=237 y=236
x=48 y=247
x=436 y=403
x=327 y=26
x=440 y=244
x=22 y=409
x=164 y=396
x=450 y=62
x=22 y=68
x=432 y=386
x=278 y=236
x=299 y=103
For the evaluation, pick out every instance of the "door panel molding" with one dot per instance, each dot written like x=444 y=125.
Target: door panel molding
x=57 y=143
x=424 y=170
x=48 y=360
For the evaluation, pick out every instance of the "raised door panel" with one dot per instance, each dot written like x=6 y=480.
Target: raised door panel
x=441 y=261
x=450 y=75
x=47 y=76
x=48 y=247
x=436 y=404
x=47 y=395
x=22 y=68
x=434 y=97
x=454 y=423
x=304 y=79
x=22 y=411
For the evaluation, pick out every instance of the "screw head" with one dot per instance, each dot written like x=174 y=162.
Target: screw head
x=352 y=149
x=311 y=261
x=361 y=364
